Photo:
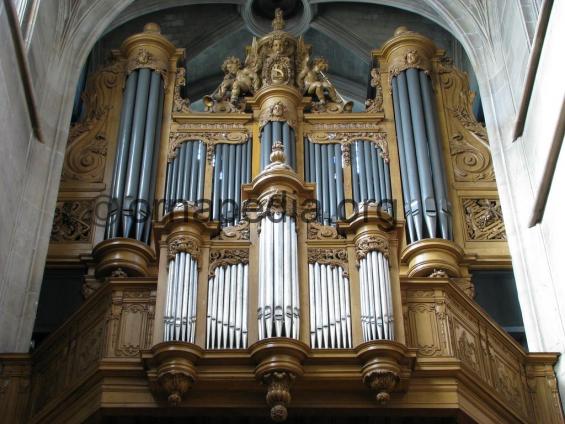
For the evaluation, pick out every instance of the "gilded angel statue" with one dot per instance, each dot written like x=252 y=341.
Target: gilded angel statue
x=237 y=81
x=313 y=81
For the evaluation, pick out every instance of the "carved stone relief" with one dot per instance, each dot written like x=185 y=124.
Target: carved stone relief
x=73 y=221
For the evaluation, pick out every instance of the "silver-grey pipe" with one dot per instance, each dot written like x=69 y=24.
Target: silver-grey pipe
x=230 y=182
x=307 y=160
x=422 y=153
x=239 y=170
x=122 y=154
x=233 y=303
x=221 y=300
x=403 y=166
x=245 y=306
x=201 y=169
x=377 y=175
x=439 y=178
x=382 y=178
x=261 y=282
x=269 y=277
x=354 y=172
x=368 y=170
x=377 y=281
x=364 y=307
x=339 y=181
x=361 y=167
x=312 y=305
x=146 y=171
x=288 y=276
x=286 y=143
x=318 y=169
x=226 y=309
x=238 y=305
x=138 y=130
x=332 y=183
x=278 y=270
x=348 y=311
x=194 y=171
x=209 y=311
x=216 y=185
x=325 y=184
x=187 y=170
x=318 y=300
x=295 y=286
x=330 y=305
x=410 y=156
x=312 y=160
x=224 y=182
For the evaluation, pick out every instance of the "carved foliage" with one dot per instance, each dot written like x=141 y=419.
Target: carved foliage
x=383 y=382
x=236 y=134
x=278 y=393
x=85 y=158
x=317 y=231
x=334 y=257
x=226 y=257
x=375 y=104
x=184 y=243
x=378 y=138
x=369 y=243
x=179 y=104
x=235 y=232
x=483 y=220
x=73 y=221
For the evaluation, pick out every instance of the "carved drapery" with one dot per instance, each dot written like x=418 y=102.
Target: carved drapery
x=226 y=257
x=85 y=159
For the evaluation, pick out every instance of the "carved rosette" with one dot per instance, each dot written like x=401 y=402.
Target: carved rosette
x=210 y=135
x=278 y=393
x=333 y=257
x=226 y=257
x=184 y=243
x=369 y=243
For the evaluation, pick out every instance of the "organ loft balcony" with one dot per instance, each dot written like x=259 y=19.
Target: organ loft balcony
x=279 y=253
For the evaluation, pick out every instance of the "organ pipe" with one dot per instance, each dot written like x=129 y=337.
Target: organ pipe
x=277 y=131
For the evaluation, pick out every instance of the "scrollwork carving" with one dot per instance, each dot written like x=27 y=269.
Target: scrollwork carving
x=179 y=104
x=369 y=243
x=471 y=162
x=210 y=138
x=377 y=138
x=375 y=104
x=235 y=232
x=226 y=257
x=85 y=158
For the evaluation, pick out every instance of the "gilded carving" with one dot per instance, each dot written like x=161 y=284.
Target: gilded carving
x=469 y=146
x=369 y=243
x=235 y=232
x=179 y=104
x=411 y=59
x=483 y=220
x=346 y=154
x=185 y=244
x=375 y=105
x=317 y=231
x=210 y=138
x=226 y=257
x=471 y=161
x=333 y=257
x=85 y=158
x=144 y=58
x=72 y=222
x=378 y=139
x=278 y=111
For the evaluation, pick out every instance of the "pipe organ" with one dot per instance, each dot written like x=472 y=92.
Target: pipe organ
x=280 y=237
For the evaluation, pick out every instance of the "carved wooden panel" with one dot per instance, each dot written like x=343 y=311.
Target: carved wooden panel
x=483 y=220
x=73 y=221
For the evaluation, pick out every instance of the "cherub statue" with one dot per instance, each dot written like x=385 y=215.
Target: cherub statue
x=313 y=80
x=237 y=81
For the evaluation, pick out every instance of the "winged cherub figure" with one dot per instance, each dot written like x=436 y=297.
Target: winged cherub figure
x=237 y=81
x=313 y=80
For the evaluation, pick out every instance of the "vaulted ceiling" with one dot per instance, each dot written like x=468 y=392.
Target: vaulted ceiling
x=343 y=32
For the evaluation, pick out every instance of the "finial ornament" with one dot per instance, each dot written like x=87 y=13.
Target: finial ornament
x=278 y=154
x=278 y=22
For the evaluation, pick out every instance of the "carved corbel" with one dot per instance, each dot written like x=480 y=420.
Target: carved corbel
x=171 y=370
x=279 y=364
x=386 y=367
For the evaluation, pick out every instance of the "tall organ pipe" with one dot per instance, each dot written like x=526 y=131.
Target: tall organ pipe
x=272 y=133
x=423 y=175
x=376 y=302
x=180 y=306
x=278 y=312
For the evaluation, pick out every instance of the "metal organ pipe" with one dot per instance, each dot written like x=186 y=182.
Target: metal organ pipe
x=278 y=312
x=330 y=313
x=180 y=306
x=423 y=175
x=376 y=302
x=134 y=169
